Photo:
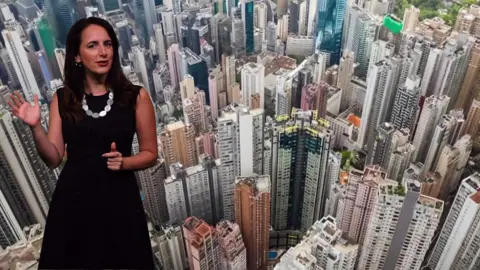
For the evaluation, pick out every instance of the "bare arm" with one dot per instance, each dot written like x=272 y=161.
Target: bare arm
x=146 y=133
x=50 y=146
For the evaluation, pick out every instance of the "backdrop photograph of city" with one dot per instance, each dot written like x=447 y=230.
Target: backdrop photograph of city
x=292 y=134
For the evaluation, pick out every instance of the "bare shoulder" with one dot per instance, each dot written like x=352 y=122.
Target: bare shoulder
x=143 y=98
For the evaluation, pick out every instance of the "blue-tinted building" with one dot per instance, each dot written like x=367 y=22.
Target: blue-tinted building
x=45 y=67
x=144 y=11
x=248 y=13
x=61 y=16
x=195 y=66
x=329 y=30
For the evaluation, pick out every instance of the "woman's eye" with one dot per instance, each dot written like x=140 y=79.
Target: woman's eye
x=91 y=46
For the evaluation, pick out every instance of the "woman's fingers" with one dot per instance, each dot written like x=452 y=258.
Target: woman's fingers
x=15 y=100
x=13 y=107
x=20 y=97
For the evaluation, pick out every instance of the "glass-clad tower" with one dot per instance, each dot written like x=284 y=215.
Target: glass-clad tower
x=61 y=16
x=330 y=15
x=300 y=154
x=248 y=14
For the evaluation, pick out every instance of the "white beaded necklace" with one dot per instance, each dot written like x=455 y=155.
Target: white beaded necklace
x=107 y=108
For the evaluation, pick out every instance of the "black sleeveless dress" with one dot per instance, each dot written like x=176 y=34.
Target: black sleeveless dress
x=96 y=218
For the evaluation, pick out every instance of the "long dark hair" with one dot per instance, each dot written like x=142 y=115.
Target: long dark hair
x=70 y=105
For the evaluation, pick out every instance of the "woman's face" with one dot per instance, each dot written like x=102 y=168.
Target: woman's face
x=96 y=50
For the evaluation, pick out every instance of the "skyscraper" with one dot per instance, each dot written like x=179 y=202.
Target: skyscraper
x=160 y=42
x=234 y=254
x=253 y=76
x=252 y=213
x=401 y=227
x=299 y=167
x=248 y=14
x=15 y=161
x=472 y=122
x=61 y=16
x=381 y=83
x=457 y=242
x=194 y=111
x=218 y=95
x=194 y=191
x=11 y=231
x=345 y=72
x=359 y=34
x=22 y=67
x=405 y=107
x=151 y=181
x=201 y=243
x=178 y=142
x=355 y=210
x=324 y=246
x=171 y=248
x=433 y=108
x=470 y=85
x=330 y=18
x=144 y=11
x=240 y=147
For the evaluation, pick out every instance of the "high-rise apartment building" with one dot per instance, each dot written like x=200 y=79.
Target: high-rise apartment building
x=194 y=111
x=171 y=252
x=11 y=231
x=410 y=18
x=470 y=85
x=271 y=36
x=457 y=244
x=240 y=149
x=379 y=150
x=283 y=95
x=359 y=33
x=178 y=143
x=234 y=254
x=355 y=210
x=228 y=68
x=16 y=158
x=194 y=191
x=472 y=123
x=406 y=105
x=253 y=76
x=300 y=151
x=446 y=165
x=218 y=95
x=433 y=108
x=252 y=214
x=345 y=72
x=401 y=227
x=160 y=42
x=441 y=137
x=382 y=80
x=20 y=62
x=202 y=245
x=152 y=185
x=173 y=61
x=323 y=247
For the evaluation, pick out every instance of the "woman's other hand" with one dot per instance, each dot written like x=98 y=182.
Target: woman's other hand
x=24 y=110
x=115 y=159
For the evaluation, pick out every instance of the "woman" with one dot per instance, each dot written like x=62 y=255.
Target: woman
x=96 y=218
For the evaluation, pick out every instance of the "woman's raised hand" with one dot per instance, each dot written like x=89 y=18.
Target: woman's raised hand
x=30 y=114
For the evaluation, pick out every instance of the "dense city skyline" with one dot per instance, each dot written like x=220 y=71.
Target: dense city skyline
x=303 y=134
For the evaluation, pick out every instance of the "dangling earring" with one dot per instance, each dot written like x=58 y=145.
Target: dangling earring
x=78 y=64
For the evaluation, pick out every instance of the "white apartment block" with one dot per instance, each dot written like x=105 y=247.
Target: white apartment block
x=401 y=227
x=253 y=82
x=457 y=244
x=18 y=164
x=323 y=247
x=19 y=58
x=171 y=248
x=355 y=209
